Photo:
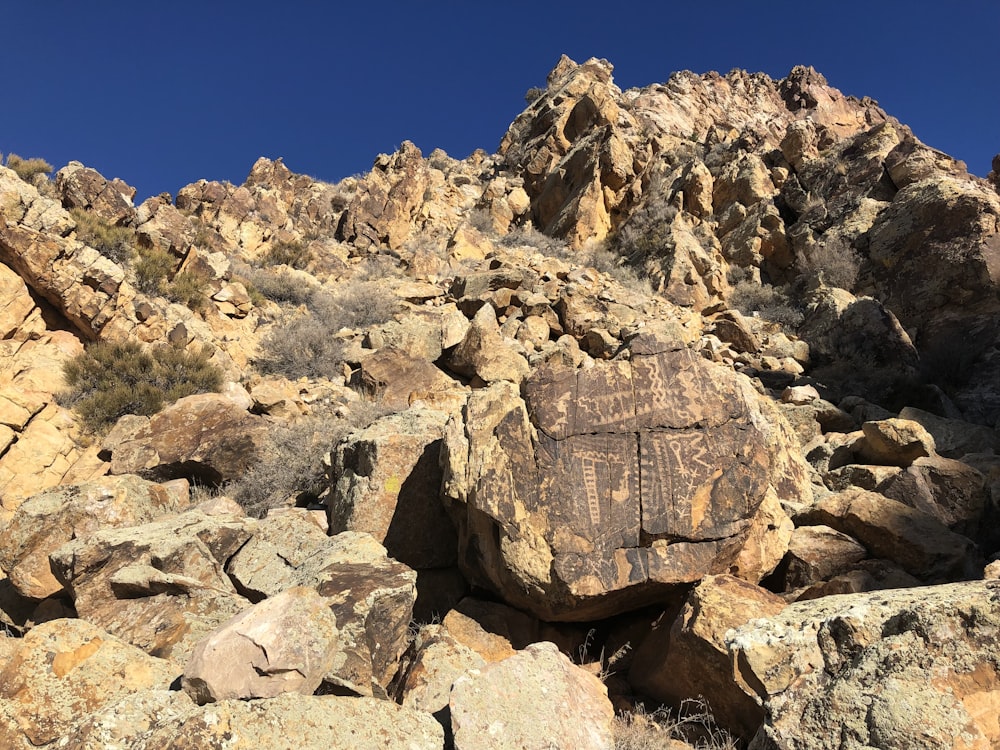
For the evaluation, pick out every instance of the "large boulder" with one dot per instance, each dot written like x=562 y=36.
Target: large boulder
x=370 y=594
x=160 y=586
x=386 y=482
x=534 y=700
x=63 y=671
x=604 y=487
x=207 y=437
x=298 y=721
x=46 y=521
x=891 y=669
x=285 y=644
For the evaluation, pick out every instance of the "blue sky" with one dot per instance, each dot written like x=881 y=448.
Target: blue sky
x=162 y=94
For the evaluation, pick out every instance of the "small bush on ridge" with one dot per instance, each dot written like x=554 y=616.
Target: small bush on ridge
x=28 y=169
x=109 y=380
x=113 y=242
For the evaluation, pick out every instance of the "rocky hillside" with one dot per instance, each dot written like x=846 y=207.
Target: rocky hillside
x=672 y=423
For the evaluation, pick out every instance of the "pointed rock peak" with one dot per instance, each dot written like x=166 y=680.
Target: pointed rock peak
x=596 y=68
x=267 y=172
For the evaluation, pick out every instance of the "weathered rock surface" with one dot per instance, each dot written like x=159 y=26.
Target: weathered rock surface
x=689 y=657
x=160 y=586
x=206 y=437
x=45 y=522
x=298 y=721
x=285 y=644
x=534 y=699
x=62 y=671
x=388 y=479
x=916 y=540
x=438 y=660
x=671 y=458
x=370 y=594
x=903 y=668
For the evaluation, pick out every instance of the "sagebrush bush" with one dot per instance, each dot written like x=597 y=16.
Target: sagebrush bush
x=189 y=288
x=284 y=253
x=694 y=724
x=109 y=380
x=774 y=303
x=28 y=169
x=833 y=261
x=305 y=345
x=291 y=470
x=275 y=284
x=116 y=243
x=153 y=267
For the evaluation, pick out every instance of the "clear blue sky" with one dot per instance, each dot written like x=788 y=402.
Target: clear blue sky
x=164 y=93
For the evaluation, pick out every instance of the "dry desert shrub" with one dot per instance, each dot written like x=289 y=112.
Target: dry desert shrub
x=292 y=469
x=306 y=345
x=693 y=724
x=116 y=243
x=28 y=169
x=834 y=261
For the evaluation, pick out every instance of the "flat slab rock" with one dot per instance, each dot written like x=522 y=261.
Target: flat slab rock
x=602 y=486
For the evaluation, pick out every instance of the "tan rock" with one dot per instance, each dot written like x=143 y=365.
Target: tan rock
x=160 y=586
x=298 y=721
x=437 y=661
x=386 y=481
x=63 y=671
x=816 y=553
x=486 y=354
x=576 y=435
x=903 y=668
x=953 y=438
x=915 y=540
x=896 y=442
x=950 y=490
x=128 y=721
x=206 y=437
x=46 y=521
x=689 y=656
x=82 y=187
x=285 y=644
x=534 y=699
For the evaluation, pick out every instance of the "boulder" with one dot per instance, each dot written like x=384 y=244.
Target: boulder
x=688 y=656
x=536 y=699
x=206 y=437
x=45 y=522
x=370 y=594
x=386 y=482
x=605 y=487
x=298 y=721
x=954 y=438
x=81 y=187
x=950 y=490
x=903 y=668
x=127 y=722
x=917 y=541
x=64 y=670
x=285 y=644
x=894 y=442
x=816 y=553
x=159 y=586
x=485 y=353
x=437 y=660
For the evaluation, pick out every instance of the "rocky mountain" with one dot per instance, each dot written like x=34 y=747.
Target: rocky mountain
x=672 y=423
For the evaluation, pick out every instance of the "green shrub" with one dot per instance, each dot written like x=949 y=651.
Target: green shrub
x=113 y=242
x=28 y=169
x=109 y=380
x=282 y=253
x=189 y=288
x=153 y=267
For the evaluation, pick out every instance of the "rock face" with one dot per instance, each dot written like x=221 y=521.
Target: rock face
x=207 y=437
x=45 y=522
x=904 y=668
x=64 y=670
x=285 y=644
x=604 y=486
x=535 y=699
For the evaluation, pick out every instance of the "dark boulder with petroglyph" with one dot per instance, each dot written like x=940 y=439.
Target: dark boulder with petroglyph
x=609 y=487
